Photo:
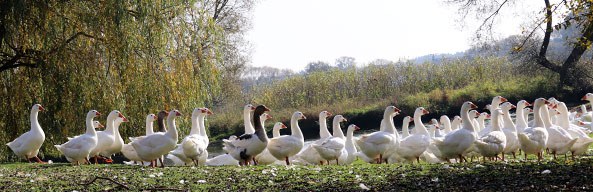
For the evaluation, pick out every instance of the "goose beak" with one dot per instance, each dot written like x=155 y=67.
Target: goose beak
x=584 y=98
x=356 y=128
x=396 y=110
x=513 y=106
x=126 y=120
x=329 y=114
x=252 y=108
x=100 y=126
x=488 y=116
x=303 y=117
x=155 y=117
x=502 y=99
x=178 y=113
x=344 y=120
x=473 y=106
x=41 y=108
x=97 y=114
x=268 y=116
x=424 y=111
x=411 y=118
x=209 y=112
x=527 y=104
x=120 y=115
x=283 y=126
x=266 y=109
x=546 y=102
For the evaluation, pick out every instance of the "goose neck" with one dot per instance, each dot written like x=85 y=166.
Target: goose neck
x=538 y=116
x=195 y=127
x=323 y=131
x=467 y=123
x=90 y=127
x=337 y=129
x=172 y=131
x=420 y=128
x=149 y=127
x=34 y=121
x=259 y=129
x=295 y=129
x=201 y=120
x=249 y=126
x=508 y=121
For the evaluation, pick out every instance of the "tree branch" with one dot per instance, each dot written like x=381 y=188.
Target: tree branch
x=492 y=15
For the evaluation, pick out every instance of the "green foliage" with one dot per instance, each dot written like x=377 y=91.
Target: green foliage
x=138 y=57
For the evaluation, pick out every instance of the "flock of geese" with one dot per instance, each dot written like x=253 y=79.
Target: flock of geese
x=554 y=129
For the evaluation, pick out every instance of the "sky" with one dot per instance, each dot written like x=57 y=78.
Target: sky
x=289 y=34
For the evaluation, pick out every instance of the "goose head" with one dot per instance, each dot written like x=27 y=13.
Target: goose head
x=299 y=115
x=151 y=118
x=340 y=118
x=391 y=111
x=507 y=106
x=474 y=114
x=484 y=115
x=353 y=127
x=408 y=119
x=174 y=113
x=324 y=114
x=114 y=114
x=37 y=107
x=265 y=116
x=260 y=109
x=528 y=110
x=434 y=121
x=457 y=118
x=280 y=125
x=523 y=104
x=468 y=105
x=420 y=111
x=249 y=108
x=587 y=97
x=500 y=99
x=120 y=120
x=206 y=111
x=93 y=114
x=98 y=124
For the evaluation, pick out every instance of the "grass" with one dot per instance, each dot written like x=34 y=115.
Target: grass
x=563 y=175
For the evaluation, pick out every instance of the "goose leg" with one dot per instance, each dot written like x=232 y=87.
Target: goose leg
x=38 y=160
x=514 y=156
x=502 y=156
x=162 y=164
x=380 y=158
x=418 y=160
x=288 y=162
x=337 y=163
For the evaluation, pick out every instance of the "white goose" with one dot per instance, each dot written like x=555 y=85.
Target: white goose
x=309 y=155
x=333 y=147
x=265 y=158
x=286 y=146
x=177 y=157
x=128 y=150
x=118 y=144
x=534 y=139
x=106 y=138
x=583 y=140
x=446 y=124
x=455 y=123
x=495 y=104
x=77 y=150
x=375 y=145
x=195 y=144
x=510 y=131
x=245 y=147
x=456 y=143
x=494 y=142
x=481 y=121
x=587 y=116
x=559 y=140
x=27 y=145
x=154 y=146
x=413 y=146
x=350 y=146
x=406 y=125
x=98 y=125
x=520 y=116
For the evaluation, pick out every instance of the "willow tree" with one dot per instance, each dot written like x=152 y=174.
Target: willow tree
x=135 y=56
x=573 y=14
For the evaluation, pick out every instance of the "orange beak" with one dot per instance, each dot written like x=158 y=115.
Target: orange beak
x=178 y=113
x=527 y=103
x=502 y=99
x=424 y=111
x=547 y=102
x=584 y=98
x=41 y=108
x=126 y=120
x=268 y=116
x=121 y=115
x=329 y=113
x=513 y=106
x=473 y=106
x=397 y=110
x=155 y=117
x=283 y=126
x=267 y=109
x=98 y=114
x=100 y=126
x=356 y=128
x=252 y=108
x=303 y=117
x=411 y=118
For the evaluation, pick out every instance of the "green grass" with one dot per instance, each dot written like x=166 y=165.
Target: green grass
x=564 y=175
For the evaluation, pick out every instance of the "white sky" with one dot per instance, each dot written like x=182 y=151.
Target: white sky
x=292 y=33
